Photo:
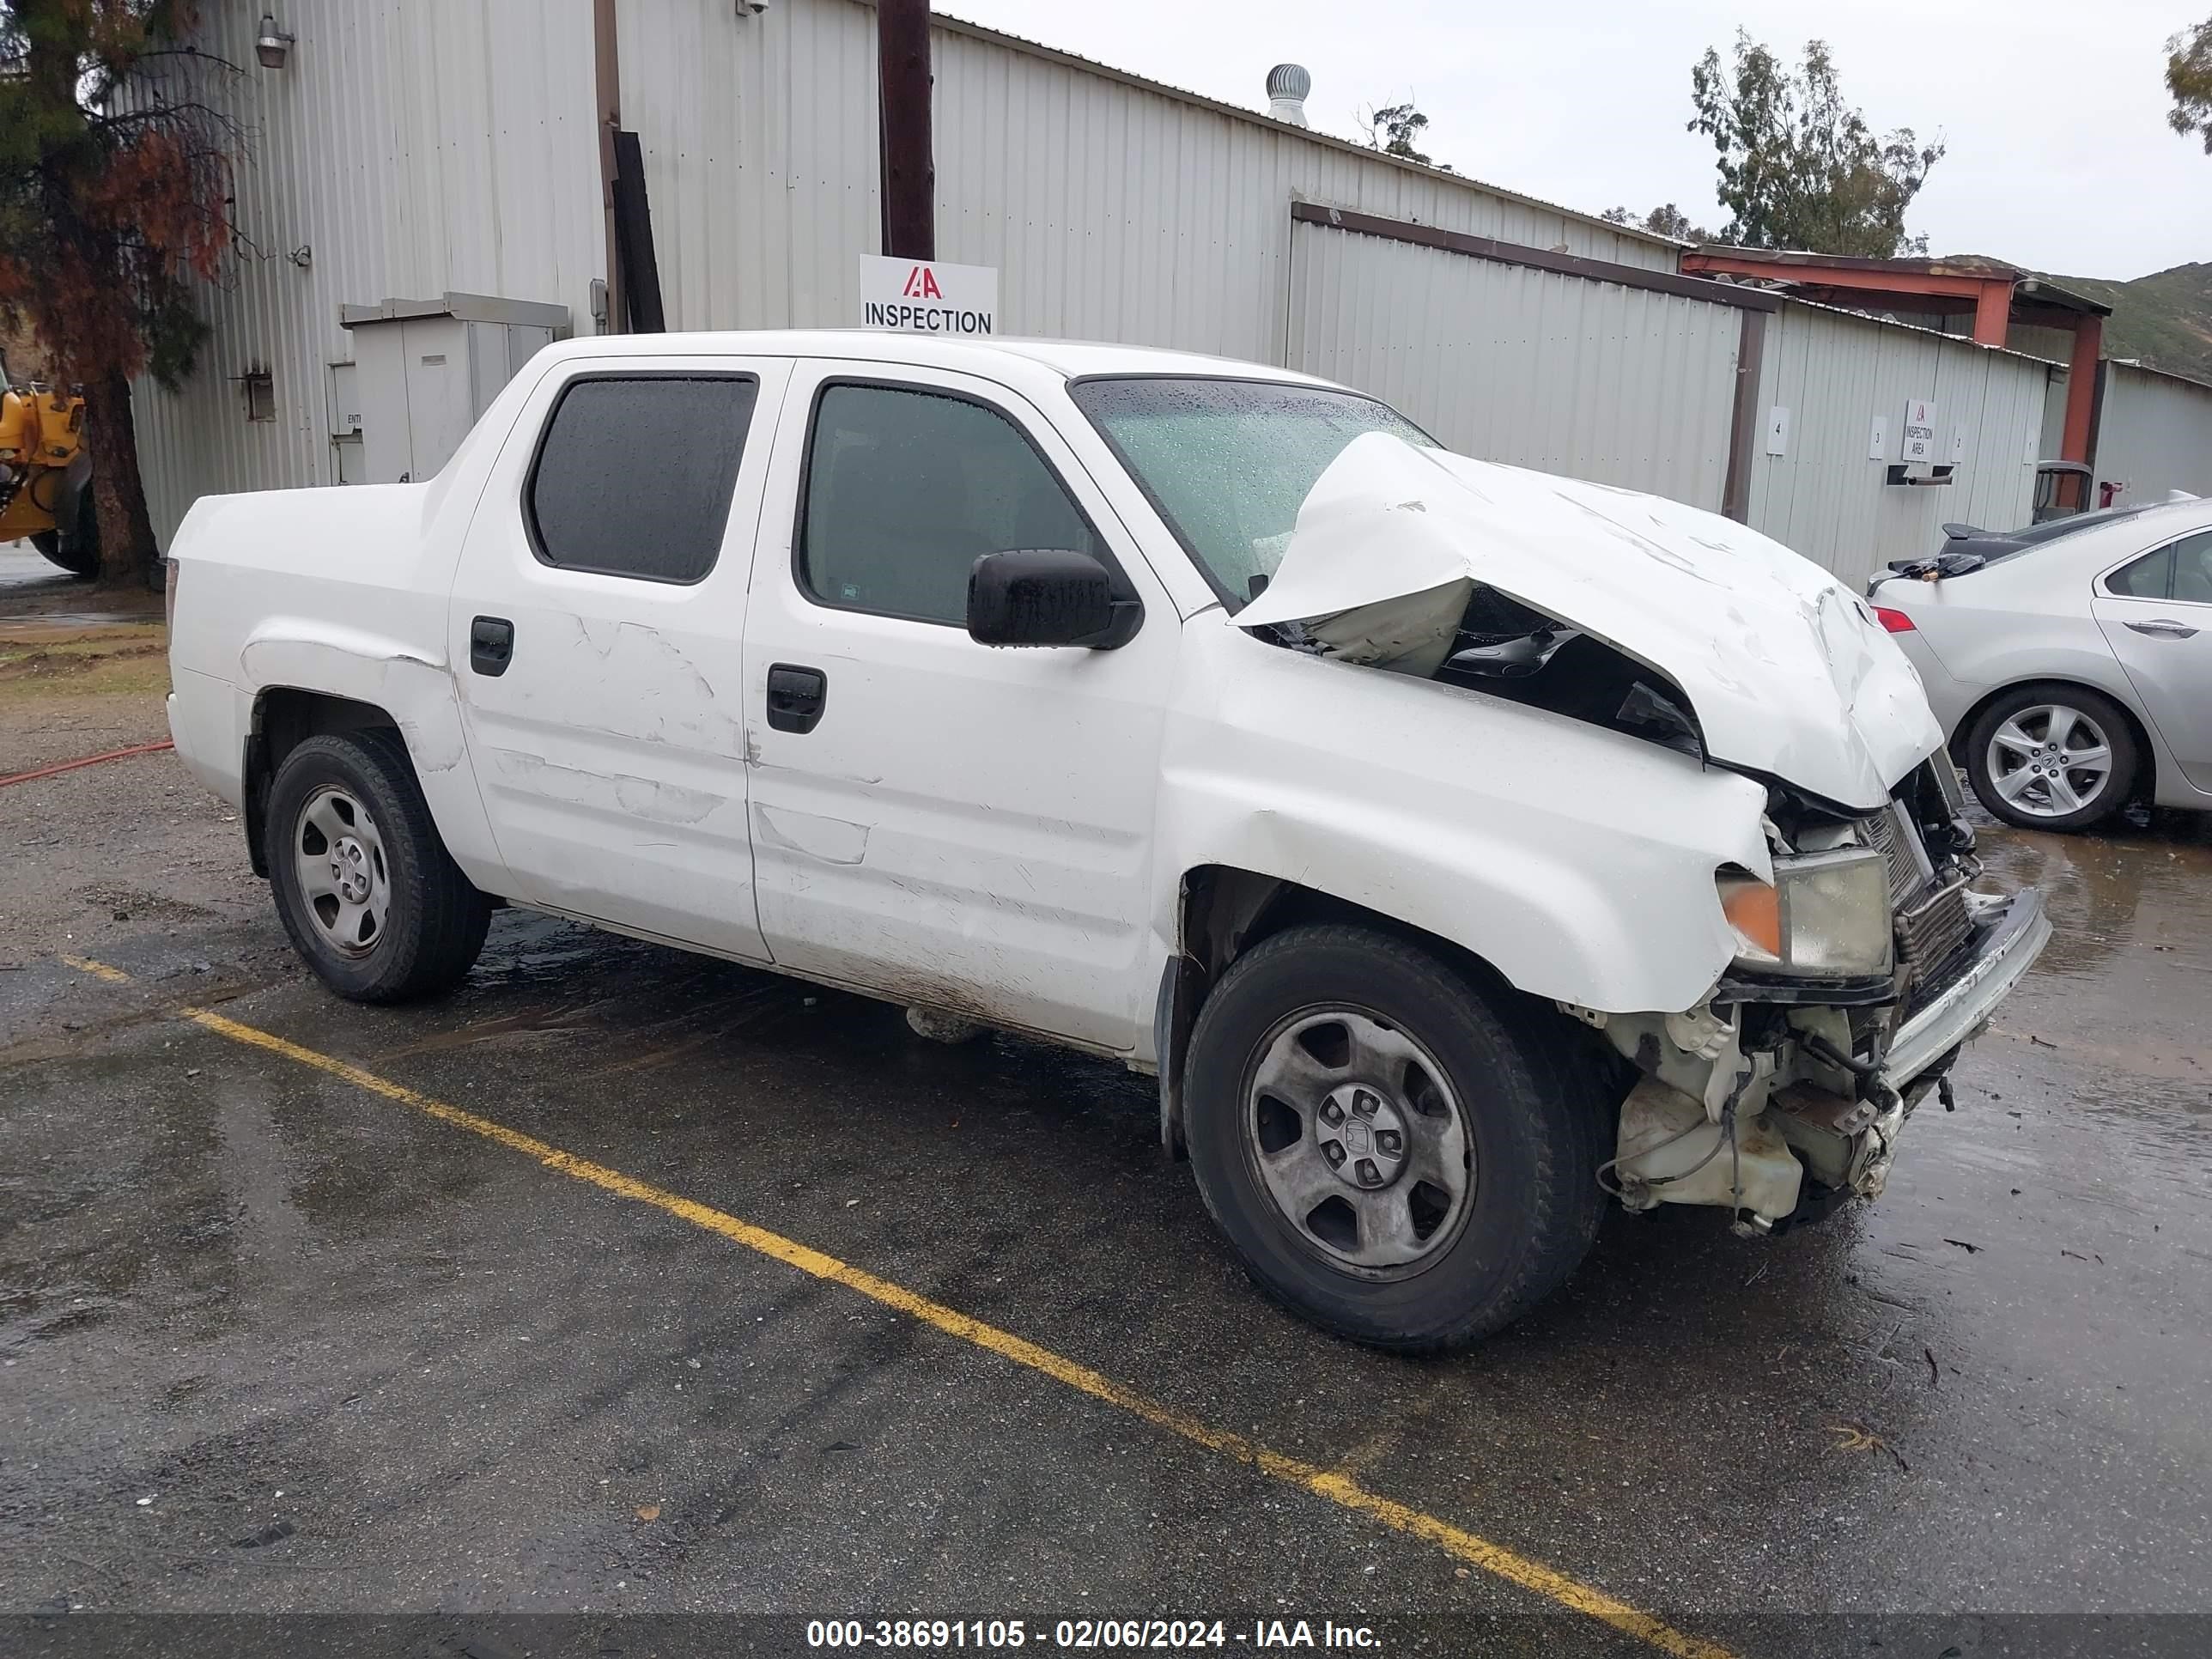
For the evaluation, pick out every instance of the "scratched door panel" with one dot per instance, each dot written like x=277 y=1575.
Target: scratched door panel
x=609 y=748
x=966 y=827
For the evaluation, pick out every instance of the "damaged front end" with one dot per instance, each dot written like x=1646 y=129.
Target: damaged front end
x=1866 y=962
x=1863 y=958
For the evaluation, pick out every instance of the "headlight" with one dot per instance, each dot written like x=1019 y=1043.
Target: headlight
x=1825 y=915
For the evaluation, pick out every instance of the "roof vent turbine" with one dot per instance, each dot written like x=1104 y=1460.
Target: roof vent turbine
x=1287 y=86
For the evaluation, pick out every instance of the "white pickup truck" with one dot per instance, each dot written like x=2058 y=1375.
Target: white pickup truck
x=1463 y=847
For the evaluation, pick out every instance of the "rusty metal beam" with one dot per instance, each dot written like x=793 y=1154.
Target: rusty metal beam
x=1745 y=422
x=1513 y=253
x=909 y=169
x=606 y=74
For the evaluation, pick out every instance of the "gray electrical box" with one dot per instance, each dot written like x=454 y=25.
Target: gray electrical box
x=424 y=369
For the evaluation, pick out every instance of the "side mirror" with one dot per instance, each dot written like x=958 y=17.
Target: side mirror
x=1048 y=596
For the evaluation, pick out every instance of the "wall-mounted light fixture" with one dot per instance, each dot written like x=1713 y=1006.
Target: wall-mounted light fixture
x=274 y=45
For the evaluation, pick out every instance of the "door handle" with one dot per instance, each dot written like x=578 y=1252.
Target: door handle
x=491 y=645
x=796 y=697
x=2160 y=627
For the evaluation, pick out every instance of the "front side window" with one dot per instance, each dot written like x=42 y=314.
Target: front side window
x=1228 y=463
x=905 y=489
x=635 y=473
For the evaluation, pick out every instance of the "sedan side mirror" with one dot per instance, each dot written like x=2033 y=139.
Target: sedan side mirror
x=1048 y=596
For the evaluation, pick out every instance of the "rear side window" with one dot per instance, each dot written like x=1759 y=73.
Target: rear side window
x=2150 y=577
x=634 y=474
x=2192 y=569
x=906 y=489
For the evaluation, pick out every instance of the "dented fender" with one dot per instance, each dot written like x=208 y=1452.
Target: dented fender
x=1578 y=862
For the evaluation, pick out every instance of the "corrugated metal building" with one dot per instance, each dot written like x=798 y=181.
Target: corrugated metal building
x=405 y=149
x=409 y=148
x=1837 y=374
x=2153 y=434
x=1532 y=364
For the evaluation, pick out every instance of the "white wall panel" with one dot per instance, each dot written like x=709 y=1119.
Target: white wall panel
x=2153 y=435
x=1835 y=370
x=418 y=146
x=413 y=147
x=1532 y=368
x=1113 y=210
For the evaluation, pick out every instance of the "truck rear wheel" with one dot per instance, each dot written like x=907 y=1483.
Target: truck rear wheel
x=366 y=888
x=1391 y=1159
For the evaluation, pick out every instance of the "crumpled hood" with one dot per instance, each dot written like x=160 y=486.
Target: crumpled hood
x=1788 y=671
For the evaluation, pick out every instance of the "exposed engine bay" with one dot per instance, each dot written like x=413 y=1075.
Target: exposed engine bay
x=1507 y=650
x=1776 y=1097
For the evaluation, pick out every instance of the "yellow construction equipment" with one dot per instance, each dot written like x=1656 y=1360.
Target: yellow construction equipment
x=45 y=474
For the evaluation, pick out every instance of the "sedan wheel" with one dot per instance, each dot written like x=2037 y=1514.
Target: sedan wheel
x=2050 y=760
x=2052 y=757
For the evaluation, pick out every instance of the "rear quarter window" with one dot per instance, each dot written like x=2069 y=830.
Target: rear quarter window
x=634 y=473
x=2150 y=577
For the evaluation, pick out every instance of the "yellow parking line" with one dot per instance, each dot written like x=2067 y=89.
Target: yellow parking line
x=1339 y=1488
x=99 y=970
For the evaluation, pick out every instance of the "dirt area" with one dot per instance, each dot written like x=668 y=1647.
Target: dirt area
x=120 y=849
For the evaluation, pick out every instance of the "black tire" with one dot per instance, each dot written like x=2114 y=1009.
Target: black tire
x=435 y=918
x=1533 y=1114
x=2119 y=784
x=79 y=556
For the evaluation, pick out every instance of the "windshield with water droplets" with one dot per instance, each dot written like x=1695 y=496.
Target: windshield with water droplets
x=1227 y=462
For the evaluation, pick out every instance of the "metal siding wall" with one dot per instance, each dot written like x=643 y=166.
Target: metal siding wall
x=1112 y=211
x=423 y=145
x=2156 y=435
x=1522 y=366
x=416 y=146
x=1835 y=371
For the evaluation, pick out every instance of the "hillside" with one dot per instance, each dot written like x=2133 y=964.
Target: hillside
x=2165 y=319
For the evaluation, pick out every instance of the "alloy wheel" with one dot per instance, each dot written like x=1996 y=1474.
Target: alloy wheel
x=2050 y=760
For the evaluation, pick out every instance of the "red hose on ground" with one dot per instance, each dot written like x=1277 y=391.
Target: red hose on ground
x=89 y=760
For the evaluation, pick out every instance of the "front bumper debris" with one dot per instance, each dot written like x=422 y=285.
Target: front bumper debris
x=1768 y=1139
x=1962 y=1007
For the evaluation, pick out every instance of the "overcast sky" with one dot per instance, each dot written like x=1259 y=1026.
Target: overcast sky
x=2054 y=110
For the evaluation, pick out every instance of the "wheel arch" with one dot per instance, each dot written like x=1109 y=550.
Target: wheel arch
x=1224 y=910
x=283 y=717
x=2147 y=749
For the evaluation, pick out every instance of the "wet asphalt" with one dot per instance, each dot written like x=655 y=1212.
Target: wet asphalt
x=274 y=1343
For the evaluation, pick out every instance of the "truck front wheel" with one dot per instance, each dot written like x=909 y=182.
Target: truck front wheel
x=1391 y=1159
x=366 y=888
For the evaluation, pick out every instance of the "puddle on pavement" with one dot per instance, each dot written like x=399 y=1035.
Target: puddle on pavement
x=2126 y=981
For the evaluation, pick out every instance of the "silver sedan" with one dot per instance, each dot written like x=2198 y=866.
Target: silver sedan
x=2072 y=666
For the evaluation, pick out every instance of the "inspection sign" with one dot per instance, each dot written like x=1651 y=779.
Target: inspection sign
x=928 y=296
x=1919 y=444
